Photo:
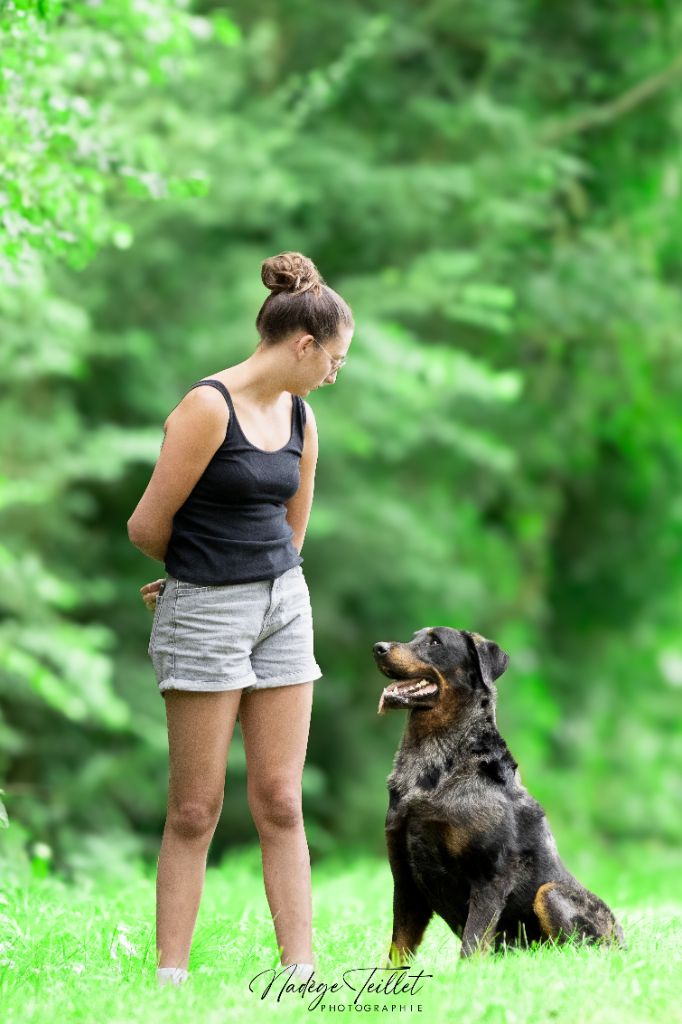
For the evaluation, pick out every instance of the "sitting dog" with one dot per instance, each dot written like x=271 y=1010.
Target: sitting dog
x=465 y=838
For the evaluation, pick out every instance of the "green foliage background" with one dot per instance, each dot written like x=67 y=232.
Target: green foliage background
x=495 y=188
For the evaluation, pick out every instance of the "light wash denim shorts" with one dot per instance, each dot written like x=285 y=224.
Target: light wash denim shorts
x=233 y=636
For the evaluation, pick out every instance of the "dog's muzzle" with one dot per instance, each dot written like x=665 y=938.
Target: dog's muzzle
x=411 y=691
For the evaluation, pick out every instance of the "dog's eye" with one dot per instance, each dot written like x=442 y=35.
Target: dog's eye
x=434 y=640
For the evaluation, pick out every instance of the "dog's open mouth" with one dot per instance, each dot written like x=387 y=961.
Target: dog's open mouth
x=408 y=693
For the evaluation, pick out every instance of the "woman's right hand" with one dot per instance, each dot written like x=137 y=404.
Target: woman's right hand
x=150 y=592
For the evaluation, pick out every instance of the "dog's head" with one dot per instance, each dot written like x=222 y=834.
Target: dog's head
x=435 y=664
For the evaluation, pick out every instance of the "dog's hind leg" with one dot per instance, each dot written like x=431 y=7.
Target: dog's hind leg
x=411 y=912
x=566 y=908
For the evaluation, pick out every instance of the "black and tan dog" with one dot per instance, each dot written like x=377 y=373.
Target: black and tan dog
x=465 y=838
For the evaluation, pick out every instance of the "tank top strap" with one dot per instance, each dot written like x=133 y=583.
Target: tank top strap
x=299 y=420
x=220 y=387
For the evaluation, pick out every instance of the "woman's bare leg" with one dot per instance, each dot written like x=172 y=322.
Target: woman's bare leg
x=275 y=724
x=200 y=727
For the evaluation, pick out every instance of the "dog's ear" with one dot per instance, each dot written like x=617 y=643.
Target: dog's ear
x=491 y=659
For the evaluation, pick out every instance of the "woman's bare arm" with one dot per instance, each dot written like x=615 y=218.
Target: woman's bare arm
x=194 y=431
x=298 y=507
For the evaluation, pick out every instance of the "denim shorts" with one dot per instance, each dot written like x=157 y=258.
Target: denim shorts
x=233 y=636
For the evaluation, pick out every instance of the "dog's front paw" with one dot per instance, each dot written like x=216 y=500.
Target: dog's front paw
x=473 y=948
x=397 y=956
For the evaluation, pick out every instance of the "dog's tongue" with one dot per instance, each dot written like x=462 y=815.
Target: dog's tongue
x=413 y=685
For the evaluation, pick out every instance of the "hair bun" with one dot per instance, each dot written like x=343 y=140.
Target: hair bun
x=290 y=272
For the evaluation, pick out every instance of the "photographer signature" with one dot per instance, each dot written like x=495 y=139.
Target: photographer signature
x=397 y=983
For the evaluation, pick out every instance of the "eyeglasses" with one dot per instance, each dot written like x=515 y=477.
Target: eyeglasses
x=336 y=363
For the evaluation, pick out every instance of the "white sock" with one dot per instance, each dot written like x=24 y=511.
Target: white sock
x=302 y=971
x=171 y=975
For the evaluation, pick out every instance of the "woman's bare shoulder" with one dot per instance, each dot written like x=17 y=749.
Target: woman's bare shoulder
x=205 y=407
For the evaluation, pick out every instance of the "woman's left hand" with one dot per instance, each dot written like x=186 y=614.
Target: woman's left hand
x=150 y=592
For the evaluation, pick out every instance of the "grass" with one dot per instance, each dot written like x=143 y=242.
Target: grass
x=86 y=953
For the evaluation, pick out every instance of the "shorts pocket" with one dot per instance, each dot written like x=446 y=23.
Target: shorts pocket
x=193 y=588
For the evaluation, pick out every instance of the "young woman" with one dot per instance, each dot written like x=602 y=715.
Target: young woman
x=226 y=510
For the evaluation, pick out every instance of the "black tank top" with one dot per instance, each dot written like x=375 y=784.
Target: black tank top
x=233 y=528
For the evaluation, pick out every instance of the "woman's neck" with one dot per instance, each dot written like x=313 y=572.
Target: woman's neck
x=260 y=379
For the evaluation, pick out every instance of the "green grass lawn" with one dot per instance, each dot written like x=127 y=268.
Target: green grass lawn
x=87 y=953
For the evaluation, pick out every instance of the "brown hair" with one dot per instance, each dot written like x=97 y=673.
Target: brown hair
x=299 y=300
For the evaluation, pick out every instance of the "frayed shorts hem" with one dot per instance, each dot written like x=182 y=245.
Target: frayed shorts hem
x=205 y=685
x=300 y=677
x=247 y=683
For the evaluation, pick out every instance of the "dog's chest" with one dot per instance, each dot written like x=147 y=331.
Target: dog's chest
x=423 y=813
x=422 y=790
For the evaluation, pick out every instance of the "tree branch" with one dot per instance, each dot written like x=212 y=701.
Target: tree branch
x=634 y=97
